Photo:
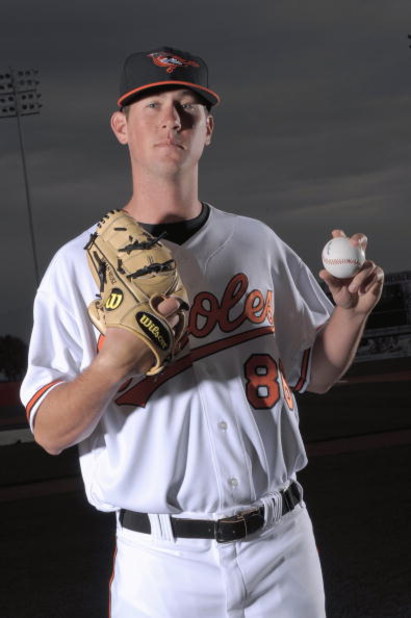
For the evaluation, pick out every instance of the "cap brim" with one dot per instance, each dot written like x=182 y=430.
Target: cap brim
x=207 y=94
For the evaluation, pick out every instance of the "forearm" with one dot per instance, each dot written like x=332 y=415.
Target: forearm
x=71 y=410
x=335 y=348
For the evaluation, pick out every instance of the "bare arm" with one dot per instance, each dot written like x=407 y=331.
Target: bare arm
x=336 y=344
x=71 y=410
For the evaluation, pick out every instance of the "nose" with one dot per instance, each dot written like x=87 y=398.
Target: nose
x=170 y=118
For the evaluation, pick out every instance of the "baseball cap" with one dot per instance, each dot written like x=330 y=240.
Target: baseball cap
x=164 y=66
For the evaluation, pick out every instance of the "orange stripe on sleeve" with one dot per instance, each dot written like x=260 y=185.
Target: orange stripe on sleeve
x=37 y=396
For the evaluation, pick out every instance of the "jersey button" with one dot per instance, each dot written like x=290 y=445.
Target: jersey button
x=223 y=425
x=233 y=481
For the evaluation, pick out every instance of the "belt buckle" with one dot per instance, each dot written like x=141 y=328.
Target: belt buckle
x=239 y=526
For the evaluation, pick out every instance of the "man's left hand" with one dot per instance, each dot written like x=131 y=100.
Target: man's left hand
x=362 y=292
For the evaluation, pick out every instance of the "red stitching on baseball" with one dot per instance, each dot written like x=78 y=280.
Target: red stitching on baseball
x=341 y=261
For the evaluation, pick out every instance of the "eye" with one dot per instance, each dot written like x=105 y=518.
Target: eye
x=188 y=106
x=152 y=104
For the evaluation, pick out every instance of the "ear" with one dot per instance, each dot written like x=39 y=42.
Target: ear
x=118 y=124
x=209 y=129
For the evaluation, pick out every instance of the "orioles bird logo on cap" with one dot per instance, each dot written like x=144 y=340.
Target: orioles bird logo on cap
x=171 y=62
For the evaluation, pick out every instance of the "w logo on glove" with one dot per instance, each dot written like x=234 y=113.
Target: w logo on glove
x=114 y=300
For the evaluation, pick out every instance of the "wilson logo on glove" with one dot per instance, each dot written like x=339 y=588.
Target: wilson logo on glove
x=154 y=329
x=114 y=300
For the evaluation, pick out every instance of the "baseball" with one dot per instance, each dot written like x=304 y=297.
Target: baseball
x=341 y=258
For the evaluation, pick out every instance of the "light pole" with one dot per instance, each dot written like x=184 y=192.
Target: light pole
x=19 y=97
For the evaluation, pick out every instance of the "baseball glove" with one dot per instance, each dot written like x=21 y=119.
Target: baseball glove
x=134 y=272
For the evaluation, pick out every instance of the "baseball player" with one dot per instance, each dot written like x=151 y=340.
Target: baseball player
x=198 y=461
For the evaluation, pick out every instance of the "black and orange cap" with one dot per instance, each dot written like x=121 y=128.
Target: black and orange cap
x=164 y=67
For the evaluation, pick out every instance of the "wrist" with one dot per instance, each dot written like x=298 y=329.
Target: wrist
x=354 y=312
x=114 y=371
x=106 y=372
x=351 y=317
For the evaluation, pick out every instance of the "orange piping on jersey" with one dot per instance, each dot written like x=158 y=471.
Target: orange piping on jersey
x=111 y=581
x=100 y=342
x=166 y=83
x=304 y=371
x=286 y=387
x=140 y=394
x=37 y=396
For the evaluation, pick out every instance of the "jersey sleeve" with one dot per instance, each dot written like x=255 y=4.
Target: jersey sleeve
x=63 y=341
x=301 y=310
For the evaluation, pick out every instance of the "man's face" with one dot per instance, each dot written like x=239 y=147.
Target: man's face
x=166 y=131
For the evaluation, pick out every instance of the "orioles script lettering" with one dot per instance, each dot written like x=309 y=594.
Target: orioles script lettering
x=207 y=312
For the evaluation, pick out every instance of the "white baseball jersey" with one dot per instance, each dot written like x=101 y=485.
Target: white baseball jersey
x=218 y=429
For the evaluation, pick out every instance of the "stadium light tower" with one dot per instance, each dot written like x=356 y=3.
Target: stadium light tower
x=19 y=97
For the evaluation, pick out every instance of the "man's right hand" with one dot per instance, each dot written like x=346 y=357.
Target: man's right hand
x=125 y=354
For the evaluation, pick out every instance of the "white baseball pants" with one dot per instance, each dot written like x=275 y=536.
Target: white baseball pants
x=275 y=573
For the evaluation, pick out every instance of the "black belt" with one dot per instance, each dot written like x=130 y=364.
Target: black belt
x=222 y=530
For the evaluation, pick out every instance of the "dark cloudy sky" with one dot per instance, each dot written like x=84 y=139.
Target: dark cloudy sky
x=314 y=131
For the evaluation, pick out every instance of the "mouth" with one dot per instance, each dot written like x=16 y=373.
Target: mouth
x=169 y=144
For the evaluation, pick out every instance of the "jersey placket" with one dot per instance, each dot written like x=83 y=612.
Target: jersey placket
x=230 y=460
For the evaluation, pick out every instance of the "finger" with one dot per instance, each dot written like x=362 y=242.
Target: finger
x=365 y=277
x=357 y=239
x=173 y=319
x=362 y=275
x=374 y=283
x=360 y=240
x=378 y=283
x=332 y=281
x=337 y=233
x=168 y=306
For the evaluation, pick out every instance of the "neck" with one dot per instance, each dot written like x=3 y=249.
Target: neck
x=164 y=200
